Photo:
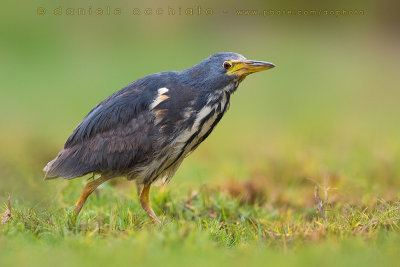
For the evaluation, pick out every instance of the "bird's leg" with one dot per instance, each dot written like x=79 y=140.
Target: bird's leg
x=87 y=190
x=145 y=201
x=139 y=188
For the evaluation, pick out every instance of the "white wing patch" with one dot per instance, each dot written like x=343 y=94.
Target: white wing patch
x=160 y=97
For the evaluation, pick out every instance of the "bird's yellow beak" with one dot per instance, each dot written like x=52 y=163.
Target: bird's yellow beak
x=246 y=67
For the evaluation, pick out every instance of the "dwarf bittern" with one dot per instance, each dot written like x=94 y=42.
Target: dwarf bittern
x=145 y=130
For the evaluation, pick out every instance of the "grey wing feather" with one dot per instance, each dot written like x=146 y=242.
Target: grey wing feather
x=114 y=135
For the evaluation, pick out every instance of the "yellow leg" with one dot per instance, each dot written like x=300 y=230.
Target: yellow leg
x=139 y=188
x=87 y=190
x=144 y=200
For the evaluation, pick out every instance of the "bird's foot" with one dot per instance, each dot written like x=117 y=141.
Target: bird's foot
x=153 y=217
x=145 y=202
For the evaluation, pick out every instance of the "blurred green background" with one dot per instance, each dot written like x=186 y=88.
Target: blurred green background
x=328 y=113
x=330 y=105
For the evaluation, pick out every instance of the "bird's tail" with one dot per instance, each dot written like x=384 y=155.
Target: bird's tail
x=47 y=169
x=68 y=164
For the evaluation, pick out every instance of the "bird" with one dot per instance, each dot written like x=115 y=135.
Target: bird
x=145 y=130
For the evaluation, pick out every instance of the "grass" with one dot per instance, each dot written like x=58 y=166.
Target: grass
x=303 y=170
x=222 y=223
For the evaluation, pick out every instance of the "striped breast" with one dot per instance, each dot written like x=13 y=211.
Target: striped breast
x=207 y=119
x=163 y=168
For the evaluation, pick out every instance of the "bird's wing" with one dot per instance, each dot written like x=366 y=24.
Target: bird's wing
x=119 y=108
x=115 y=134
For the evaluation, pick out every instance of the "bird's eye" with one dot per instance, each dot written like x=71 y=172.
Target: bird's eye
x=227 y=65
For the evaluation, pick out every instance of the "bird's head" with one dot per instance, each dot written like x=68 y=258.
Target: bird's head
x=223 y=69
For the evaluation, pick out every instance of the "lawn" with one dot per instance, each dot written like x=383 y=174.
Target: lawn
x=304 y=169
